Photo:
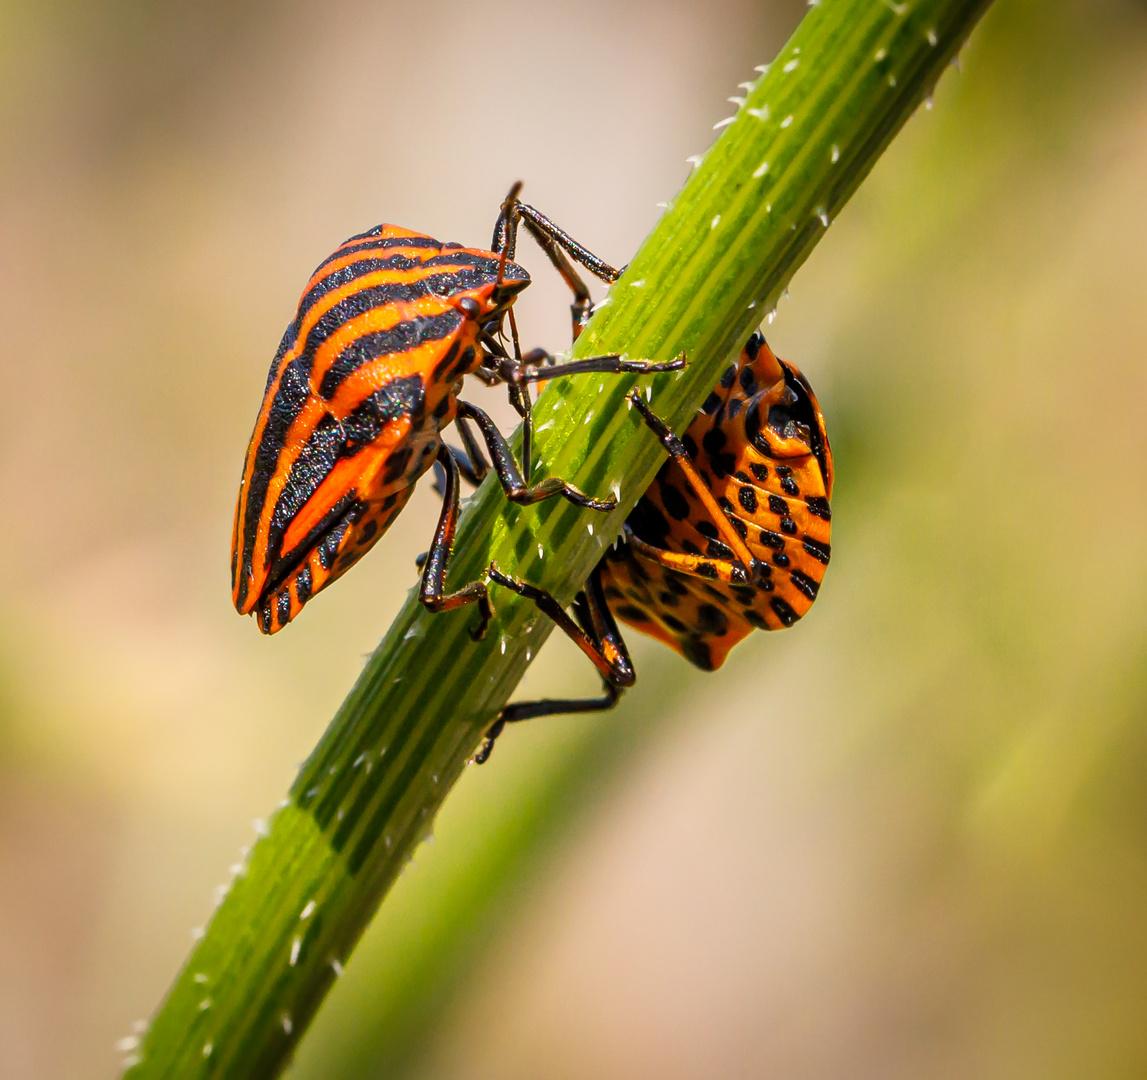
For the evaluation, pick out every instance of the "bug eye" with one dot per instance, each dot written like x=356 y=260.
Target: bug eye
x=469 y=307
x=786 y=417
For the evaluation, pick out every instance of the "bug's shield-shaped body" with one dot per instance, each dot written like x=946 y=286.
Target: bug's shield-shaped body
x=760 y=446
x=363 y=382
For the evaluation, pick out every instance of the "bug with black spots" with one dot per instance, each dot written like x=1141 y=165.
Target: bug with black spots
x=732 y=535
x=366 y=377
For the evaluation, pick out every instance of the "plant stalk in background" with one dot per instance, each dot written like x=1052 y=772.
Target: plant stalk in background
x=809 y=130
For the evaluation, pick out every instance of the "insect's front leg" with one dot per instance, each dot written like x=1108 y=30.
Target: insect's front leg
x=538 y=366
x=515 y=487
x=743 y=563
x=558 y=246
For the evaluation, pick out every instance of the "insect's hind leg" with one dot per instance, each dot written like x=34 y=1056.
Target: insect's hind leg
x=595 y=632
x=531 y=710
x=472 y=467
x=432 y=592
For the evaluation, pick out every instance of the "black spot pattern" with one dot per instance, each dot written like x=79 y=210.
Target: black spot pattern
x=820 y=552
x=783 y=611
x=818 y=507
x=804 y=584
x=632 y=613
x=761 y=411
x=711 y=620
x=676 y=505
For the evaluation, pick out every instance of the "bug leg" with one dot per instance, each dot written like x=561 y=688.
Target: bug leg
x=720 y=518
x=472 y=474
x=538 y=365
x=516 y=489
x=552 y=238
x=523 y=405
x=478 y=465
x=432 y=590
x=595 y=632
x=730 y=571
x=558 y=246
x=531 y=710
x=505 y=241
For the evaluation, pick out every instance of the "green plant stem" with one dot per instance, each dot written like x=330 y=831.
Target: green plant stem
x=811 y=128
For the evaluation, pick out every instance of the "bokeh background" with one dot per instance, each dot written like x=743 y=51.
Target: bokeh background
x=906 y=839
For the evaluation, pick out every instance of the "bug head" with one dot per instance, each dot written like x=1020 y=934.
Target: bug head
x=511 y=280
x=782 y=417
x=489 y=303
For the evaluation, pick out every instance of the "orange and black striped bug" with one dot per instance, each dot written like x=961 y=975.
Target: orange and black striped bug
x=732 y=536
x=366 y=377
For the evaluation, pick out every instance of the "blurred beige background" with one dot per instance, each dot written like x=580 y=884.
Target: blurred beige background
x=908 y=838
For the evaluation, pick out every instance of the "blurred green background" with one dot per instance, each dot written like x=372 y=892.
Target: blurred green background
x=907 y=838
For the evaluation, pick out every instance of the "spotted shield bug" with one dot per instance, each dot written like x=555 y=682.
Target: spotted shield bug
x=733 y=534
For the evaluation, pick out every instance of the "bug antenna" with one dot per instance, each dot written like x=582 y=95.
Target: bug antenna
x=504 y=227
x=514 y=335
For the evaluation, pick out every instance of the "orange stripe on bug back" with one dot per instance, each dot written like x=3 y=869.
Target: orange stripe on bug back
x=358 y=474
x=357 y=539
x=385 y=232
x=422 y=360
x=338 y=262
x=314 y=408
x=387 y=365
x=313 y=315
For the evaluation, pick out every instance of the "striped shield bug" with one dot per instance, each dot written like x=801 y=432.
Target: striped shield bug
x=365 y=378
x=732 y=535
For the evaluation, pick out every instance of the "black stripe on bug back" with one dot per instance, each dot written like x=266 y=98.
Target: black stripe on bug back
x=372 y=238
x=336 y=279
x=400 y=338
x=381 y=295
x=331 y=441
x=289 y=336
x=310 y=468
x=344 y=275
x=290 y=397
